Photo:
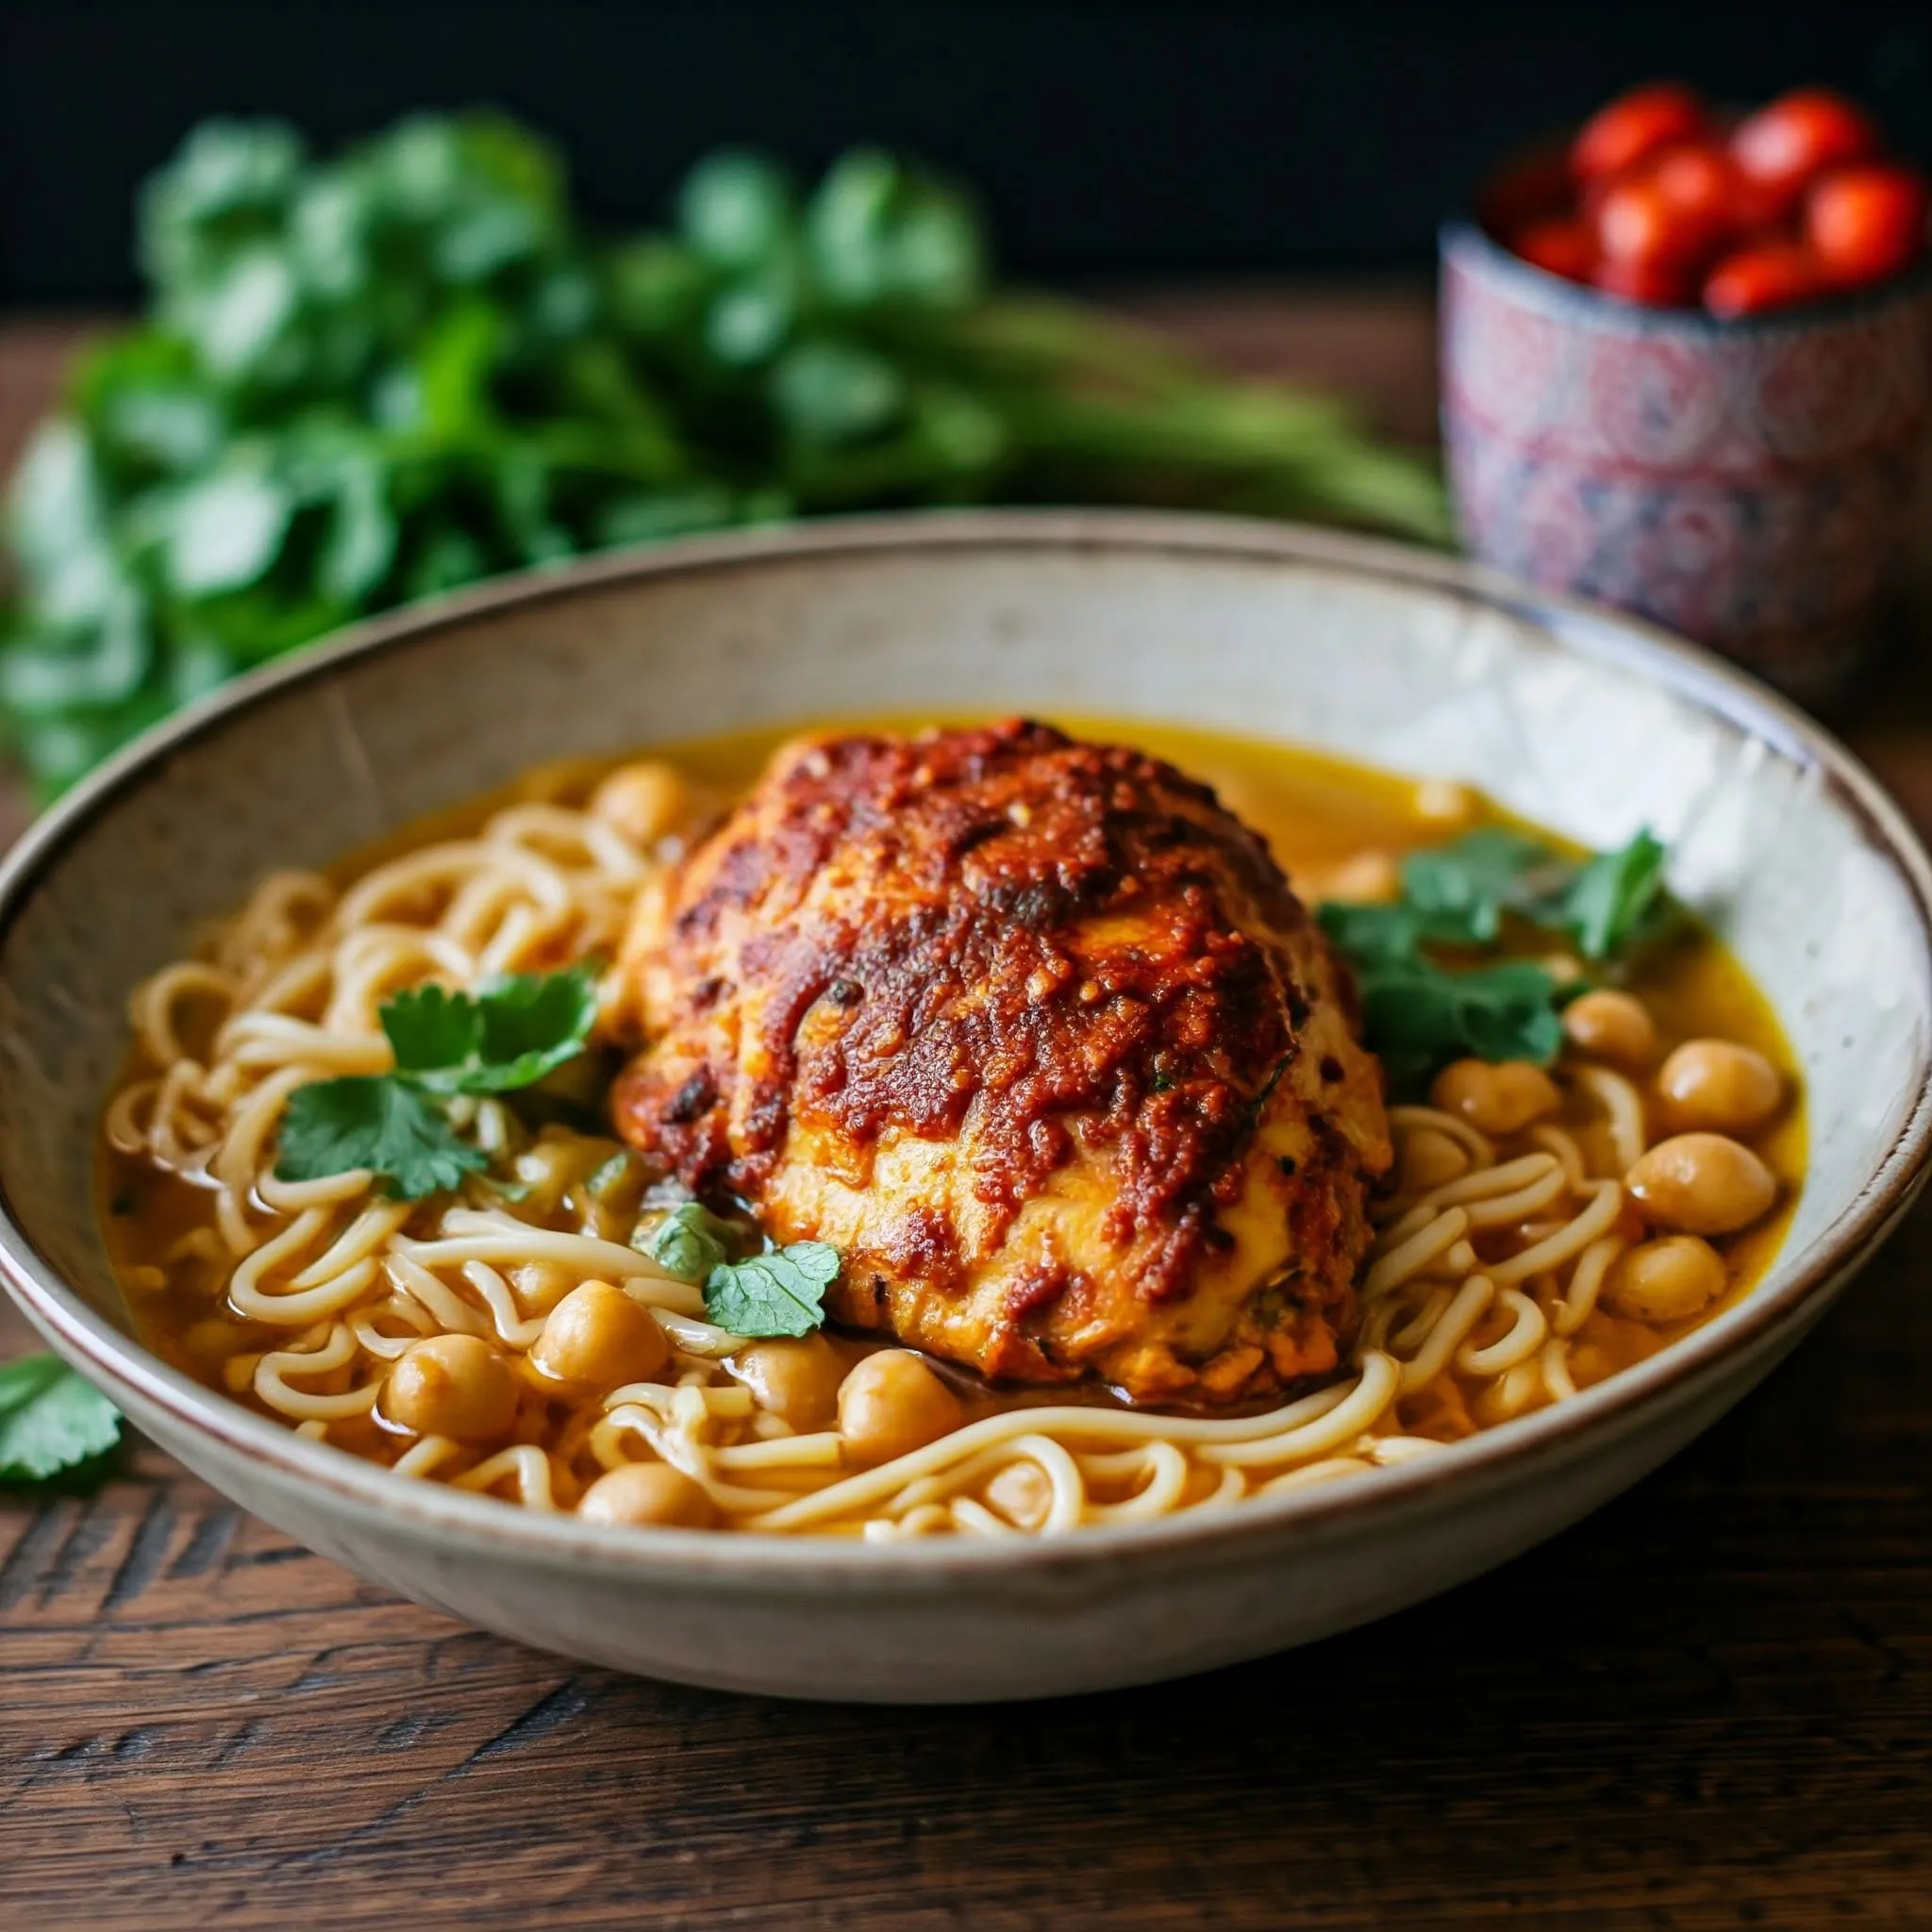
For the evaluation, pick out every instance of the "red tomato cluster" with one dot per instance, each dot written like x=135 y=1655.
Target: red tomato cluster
x=1661 y=202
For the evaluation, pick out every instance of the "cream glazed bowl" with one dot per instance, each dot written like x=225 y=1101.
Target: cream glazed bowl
x=1577 y=719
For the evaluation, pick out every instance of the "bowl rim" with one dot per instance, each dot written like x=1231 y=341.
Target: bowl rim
x=1464 y=244
x=1672 y=1378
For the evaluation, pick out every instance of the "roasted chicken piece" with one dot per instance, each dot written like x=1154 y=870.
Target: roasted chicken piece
x=1036 y=1034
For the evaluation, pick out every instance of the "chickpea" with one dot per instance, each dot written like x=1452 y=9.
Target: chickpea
x=541 y=1285
x=1700 y=1184
x=1500 y=1099
x=1665 y=1281
x=452 y=1384
x=1720 y=1085
x=644 y=801
x=1611 y=1026
x=892 y=1404
x=1430 y=1157
x=798 y=1381
x=648 y=1493
x=597 y=1338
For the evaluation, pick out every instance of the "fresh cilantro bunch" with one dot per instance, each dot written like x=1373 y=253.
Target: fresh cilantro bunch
x=777 y=1293
x=370 y=378
x=1420 y=1012
x=508 y=1035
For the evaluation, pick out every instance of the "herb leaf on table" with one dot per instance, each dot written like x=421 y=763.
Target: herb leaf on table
x=52 y=1421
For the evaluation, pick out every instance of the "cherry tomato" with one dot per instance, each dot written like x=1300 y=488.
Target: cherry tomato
x=1766 y=275
x=1633 y=125
x=1705 y=190
x=1562 y=247
x=1638 y=222
x=1783 y=146
x=1657 y=282
x=1865 y=222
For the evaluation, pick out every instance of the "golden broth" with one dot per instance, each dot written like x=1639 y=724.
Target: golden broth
x=1323 y=816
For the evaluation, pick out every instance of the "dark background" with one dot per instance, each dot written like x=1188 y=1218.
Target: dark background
x=1109 y=140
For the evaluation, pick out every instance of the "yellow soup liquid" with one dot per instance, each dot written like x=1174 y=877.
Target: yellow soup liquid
x=1330 y=823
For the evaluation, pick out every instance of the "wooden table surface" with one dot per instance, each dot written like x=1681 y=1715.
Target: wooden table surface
x=1709 y=1705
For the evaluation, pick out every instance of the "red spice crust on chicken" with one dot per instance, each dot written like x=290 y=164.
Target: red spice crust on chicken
x=1036 y=1036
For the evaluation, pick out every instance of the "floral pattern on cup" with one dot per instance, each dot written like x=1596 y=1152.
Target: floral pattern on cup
x=1749 y=484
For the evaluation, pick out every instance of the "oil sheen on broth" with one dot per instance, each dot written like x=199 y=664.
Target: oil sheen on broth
x=751 y=1437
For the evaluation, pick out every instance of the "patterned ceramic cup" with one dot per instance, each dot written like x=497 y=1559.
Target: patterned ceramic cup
x=1750 y=484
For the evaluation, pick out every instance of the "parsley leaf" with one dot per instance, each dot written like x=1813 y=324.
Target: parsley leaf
x=509 y=1034
x=780 y=1294
x=51 y=1420
x=376 y=1121
x=690 y=1242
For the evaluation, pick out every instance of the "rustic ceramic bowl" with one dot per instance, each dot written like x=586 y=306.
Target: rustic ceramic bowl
x=1571 y=717
x=1753 y=483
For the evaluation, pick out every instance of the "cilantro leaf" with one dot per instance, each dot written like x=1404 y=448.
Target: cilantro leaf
x=1460 y=891
x=509 y=1033
x=1613 y=898
x=780 y=1294
x=690 y=1242
x=378 y=1121
x=1419 y=1014
x=432 y=1032
x=367 y=376
x=1372 y=934
x=51 y=1420
x=1418 y=1017
x=531 y=1023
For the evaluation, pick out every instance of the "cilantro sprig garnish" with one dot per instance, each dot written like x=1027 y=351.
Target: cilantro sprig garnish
x=506 y=1035
x=777 y=1293
x=509 y=1036
x=688 y=1243
x=1420 y=1012
x=377 y=1121
x=1461 y=891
